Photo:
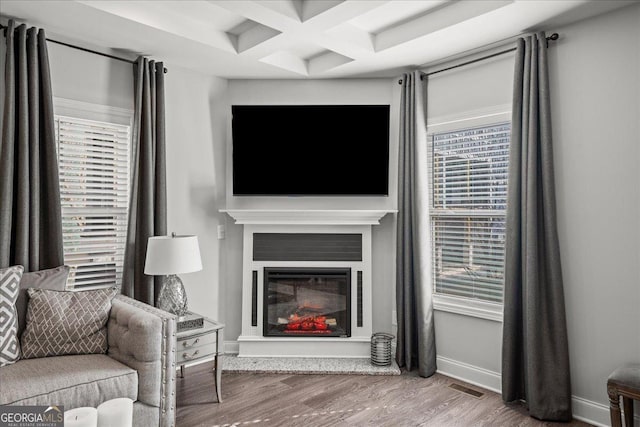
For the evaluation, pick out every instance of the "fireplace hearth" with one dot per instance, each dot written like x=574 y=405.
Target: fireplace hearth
x=307 y=302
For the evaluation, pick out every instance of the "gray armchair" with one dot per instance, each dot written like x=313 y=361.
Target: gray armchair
x=143 y=338
x=140 y=364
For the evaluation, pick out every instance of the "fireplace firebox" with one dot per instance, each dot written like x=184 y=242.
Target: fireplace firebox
x=307 y=302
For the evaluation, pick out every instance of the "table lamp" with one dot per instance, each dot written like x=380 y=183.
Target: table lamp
x=169 y=256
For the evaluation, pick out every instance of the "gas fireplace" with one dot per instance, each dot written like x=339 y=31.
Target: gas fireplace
x=307 y=302
x=306 y=282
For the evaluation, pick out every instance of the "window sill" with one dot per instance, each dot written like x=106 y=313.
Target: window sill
x=468 y=307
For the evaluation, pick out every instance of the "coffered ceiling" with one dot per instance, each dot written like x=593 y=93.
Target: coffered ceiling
x=297 y=38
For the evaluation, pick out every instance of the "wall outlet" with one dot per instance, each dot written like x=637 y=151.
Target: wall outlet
x=394 y=318
x=222 y=232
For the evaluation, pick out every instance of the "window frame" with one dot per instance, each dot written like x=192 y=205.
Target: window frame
x=83 y=111
x=471 y=119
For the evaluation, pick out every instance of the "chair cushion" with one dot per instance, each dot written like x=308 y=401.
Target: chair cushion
x=54 y=279
x=72 y=381
x=628 y=376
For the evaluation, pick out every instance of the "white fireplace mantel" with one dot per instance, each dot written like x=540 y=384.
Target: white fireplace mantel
x=252 y=342
x=307 y=216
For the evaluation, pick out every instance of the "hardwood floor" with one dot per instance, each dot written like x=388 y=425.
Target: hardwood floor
x=339 y=400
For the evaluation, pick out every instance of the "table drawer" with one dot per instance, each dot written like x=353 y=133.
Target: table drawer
x=190 y=343
x=193 y=353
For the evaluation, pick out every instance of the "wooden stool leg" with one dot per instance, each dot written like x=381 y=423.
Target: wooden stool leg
x=614 y=407
x=627 y=403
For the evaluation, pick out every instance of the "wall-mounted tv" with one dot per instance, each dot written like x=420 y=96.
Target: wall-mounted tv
x=310 y=150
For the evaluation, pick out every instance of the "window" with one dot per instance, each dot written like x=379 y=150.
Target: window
x=94 y=161
x=468 y=183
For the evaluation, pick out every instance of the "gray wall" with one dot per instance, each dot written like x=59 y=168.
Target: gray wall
x=196 y=132
x=464 y=343
x=83 y=76
x=595 y=87
x=86 y=77
x=196 y=127
x=352 y=91
x=595 y=91
x=470 y=88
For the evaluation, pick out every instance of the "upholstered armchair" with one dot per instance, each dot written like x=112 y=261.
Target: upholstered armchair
x=143 y=338
x=139 y=364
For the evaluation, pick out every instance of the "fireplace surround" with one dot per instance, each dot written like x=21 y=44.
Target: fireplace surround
x=286 y=253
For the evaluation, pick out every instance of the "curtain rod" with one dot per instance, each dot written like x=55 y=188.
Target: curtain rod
x=84 y=49
x=552 y=37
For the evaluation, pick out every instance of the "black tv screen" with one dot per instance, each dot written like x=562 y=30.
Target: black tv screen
x=310 y=150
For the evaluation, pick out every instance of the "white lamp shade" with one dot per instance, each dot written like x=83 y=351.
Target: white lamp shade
x=172 y=255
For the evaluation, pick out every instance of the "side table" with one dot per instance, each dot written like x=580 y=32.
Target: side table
x=200 y=345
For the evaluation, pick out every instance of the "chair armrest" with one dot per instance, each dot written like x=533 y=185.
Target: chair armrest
x=144 y=338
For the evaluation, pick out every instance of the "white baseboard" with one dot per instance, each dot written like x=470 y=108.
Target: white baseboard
x=584 y=410
x=231 y=347
x=595 y=413
x=590 y=412
x=469 y=373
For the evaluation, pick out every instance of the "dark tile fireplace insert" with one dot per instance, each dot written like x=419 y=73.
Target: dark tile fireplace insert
x=307 y=302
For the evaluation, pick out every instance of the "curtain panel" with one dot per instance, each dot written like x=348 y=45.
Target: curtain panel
x=535 y=355
x=148 y=205
x=30 y=213
x=416 y=345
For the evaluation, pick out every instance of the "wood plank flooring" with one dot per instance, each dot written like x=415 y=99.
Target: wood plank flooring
x=339 y=400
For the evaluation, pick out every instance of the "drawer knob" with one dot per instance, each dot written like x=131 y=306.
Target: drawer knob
x=188 y=356
x=186 y=343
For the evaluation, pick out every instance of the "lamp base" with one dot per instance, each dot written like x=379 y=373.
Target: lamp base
x=173 y=297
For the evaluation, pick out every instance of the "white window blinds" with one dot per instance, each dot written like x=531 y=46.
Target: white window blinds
x=93 y=159
x=468 y=187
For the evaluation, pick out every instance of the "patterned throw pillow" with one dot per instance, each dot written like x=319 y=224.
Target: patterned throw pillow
x=66 y=322
x=54 y=279
x=9 y=287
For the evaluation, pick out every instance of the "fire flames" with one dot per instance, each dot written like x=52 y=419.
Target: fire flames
x=306 y=324
x=308 y=319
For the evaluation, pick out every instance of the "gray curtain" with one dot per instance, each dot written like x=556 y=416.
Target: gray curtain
x=416 y=346
x=30 y=217
x=148 y=206
x=535 y=355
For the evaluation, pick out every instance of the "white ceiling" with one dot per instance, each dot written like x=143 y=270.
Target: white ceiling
x=297 y=38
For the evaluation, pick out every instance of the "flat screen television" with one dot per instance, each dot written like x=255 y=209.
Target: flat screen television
x=310 y=150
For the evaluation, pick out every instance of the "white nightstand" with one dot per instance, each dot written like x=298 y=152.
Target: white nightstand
x=200 y=345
